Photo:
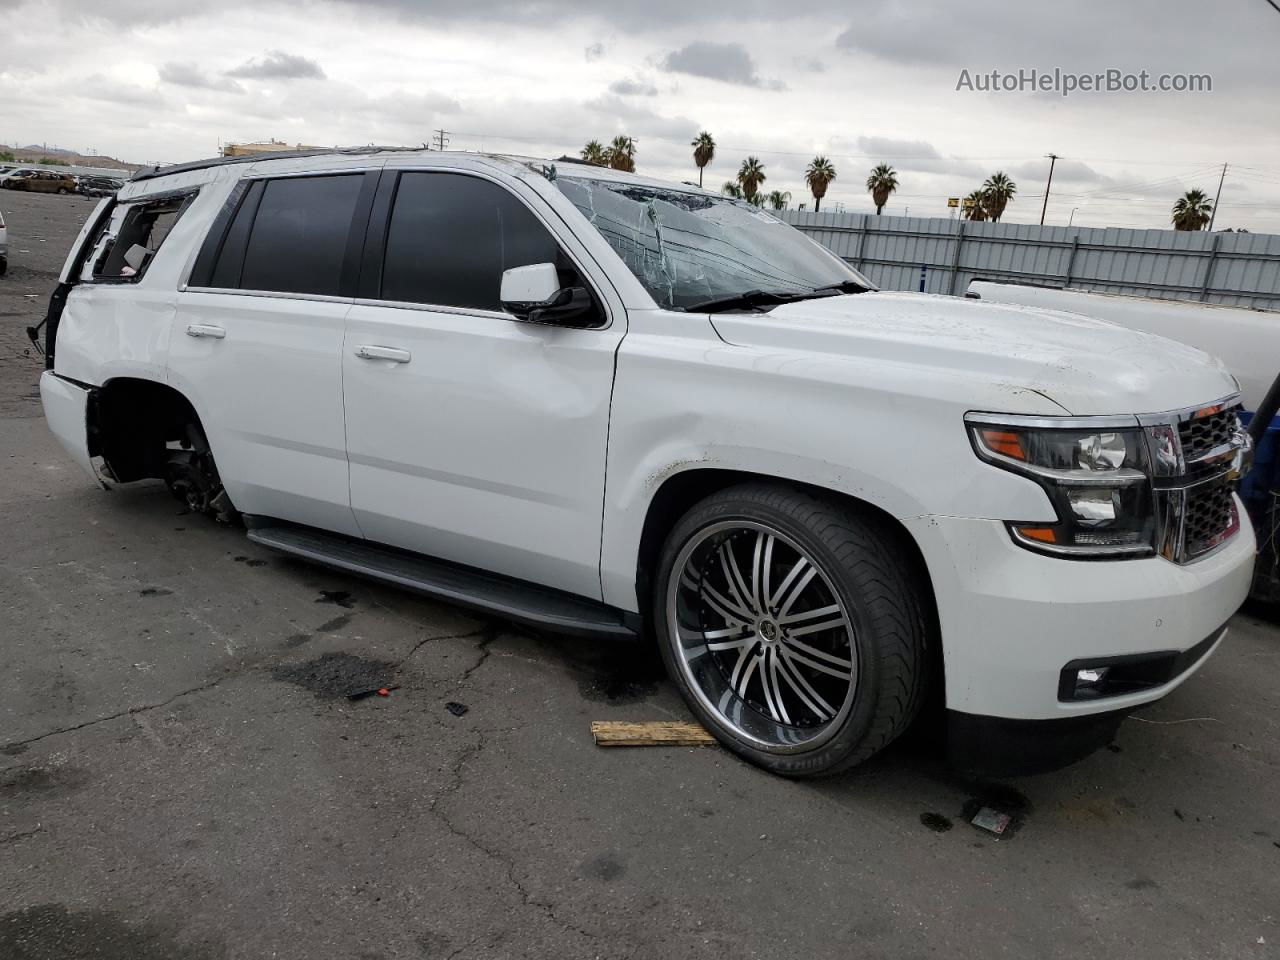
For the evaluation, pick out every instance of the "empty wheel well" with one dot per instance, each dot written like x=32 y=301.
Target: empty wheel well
x=683 y=490
x=131 y=424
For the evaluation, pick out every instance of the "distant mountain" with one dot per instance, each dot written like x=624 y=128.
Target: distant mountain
x=35 y=147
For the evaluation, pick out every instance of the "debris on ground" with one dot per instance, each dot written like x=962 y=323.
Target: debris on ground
x=659 y=733
x=991 y=820
x=380 y=691
x=457 y=709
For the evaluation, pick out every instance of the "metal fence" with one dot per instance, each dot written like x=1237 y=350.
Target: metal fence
x=942 y=256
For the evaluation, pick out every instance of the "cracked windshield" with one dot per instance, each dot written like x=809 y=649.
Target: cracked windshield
x=691 y=250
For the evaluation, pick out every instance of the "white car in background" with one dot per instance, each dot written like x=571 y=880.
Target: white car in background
x=597 y=402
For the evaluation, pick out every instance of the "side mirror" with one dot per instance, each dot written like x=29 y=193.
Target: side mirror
x=533 y=294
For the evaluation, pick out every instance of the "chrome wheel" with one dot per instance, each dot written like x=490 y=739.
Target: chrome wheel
x=762 y=636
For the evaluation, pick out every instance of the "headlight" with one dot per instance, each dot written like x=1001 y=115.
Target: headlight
x=1095 y=474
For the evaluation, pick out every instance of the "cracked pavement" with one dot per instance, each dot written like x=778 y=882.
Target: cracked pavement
x=182 y=776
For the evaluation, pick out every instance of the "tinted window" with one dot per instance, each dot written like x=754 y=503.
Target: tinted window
x=451 y=236
x=299 y=236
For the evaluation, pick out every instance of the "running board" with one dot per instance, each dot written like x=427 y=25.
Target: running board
x=467 y=587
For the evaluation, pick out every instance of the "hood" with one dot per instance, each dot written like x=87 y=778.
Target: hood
x=1086 y=366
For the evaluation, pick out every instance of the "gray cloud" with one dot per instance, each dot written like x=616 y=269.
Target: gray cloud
x=278 y=65
x=633 y=87
x=189 y=75
x=892 y=149
x=1064 y=171
x=99 y=87
x=593 y=51
x=728 y=62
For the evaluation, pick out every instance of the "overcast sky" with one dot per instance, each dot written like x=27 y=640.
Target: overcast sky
x=169 y=80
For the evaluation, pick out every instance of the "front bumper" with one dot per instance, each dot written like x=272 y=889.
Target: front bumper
x=1012 y=620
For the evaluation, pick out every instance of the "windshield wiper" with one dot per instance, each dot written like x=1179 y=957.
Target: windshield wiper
x=844 y=286
x=772 y=298
x=748 y=298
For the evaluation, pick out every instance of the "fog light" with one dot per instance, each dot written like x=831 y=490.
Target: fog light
x=1089 y=682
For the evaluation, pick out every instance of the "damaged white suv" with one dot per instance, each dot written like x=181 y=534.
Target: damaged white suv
x=600 y=403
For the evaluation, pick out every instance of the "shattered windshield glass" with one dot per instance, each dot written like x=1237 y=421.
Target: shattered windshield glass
x=690 y=248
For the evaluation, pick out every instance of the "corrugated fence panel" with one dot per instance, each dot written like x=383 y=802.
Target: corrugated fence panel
x=899 y=253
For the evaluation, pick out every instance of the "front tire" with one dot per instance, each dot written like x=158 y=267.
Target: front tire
x=794 y=627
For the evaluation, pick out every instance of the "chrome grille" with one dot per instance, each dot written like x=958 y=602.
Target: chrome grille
x=1196 y=479
x=1210 y=518
x=1206 y=433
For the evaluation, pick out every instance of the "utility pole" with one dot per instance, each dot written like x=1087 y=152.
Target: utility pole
x=1053 y=158
x=1213 y=214
x=441 y=139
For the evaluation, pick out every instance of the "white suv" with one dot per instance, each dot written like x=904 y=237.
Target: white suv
x=596 y=402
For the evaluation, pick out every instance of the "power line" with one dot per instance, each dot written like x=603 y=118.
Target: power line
x=441 y=139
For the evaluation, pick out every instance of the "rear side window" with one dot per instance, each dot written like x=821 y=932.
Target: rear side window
x=450 y=236
x=299 y=237
x=125 y=252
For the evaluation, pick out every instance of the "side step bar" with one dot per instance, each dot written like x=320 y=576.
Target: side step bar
x=467 y=587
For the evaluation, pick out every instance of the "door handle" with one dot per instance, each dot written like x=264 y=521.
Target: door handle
x=205 y=330
x=371 y=352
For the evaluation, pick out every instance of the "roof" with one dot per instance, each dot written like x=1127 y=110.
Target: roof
x=565 y=166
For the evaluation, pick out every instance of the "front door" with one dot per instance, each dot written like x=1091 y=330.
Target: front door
x=472 y=436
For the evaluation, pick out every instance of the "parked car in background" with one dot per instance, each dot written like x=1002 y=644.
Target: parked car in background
x=40 y=181
x=99 y=186
x=608 y=404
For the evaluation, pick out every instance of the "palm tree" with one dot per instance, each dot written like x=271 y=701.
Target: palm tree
x=882 y=182
x=778 y=199
x=594 y=152
x=622 y=154
x=999 y=191
x=704 y=151
x=817 y=177
x=733 y=189
x=751 y=175
x=1192 y=211
x=975 y=206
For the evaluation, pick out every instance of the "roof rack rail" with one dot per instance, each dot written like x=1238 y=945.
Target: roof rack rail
x=150 y=173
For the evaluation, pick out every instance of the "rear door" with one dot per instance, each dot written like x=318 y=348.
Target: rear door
x=472 y=436
x=257 y=343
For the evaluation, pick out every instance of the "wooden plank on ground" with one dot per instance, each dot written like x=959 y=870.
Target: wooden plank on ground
x=659 y=733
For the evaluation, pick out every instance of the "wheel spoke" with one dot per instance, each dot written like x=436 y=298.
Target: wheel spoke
x=793 y=594
x=803 y=689
x=789 y=579
x=758 y=561
x=737 y=644
x=773 y=690
x=766 y=574
x=809 y=615
x=842 y=672
x=741 y=662
x=725 y=607
x=733 y=575
x=745 y=680
x=833 y=623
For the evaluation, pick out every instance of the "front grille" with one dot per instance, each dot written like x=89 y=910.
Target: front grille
x=1203 y=434
x=1210 y=518
x=1197 y=506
